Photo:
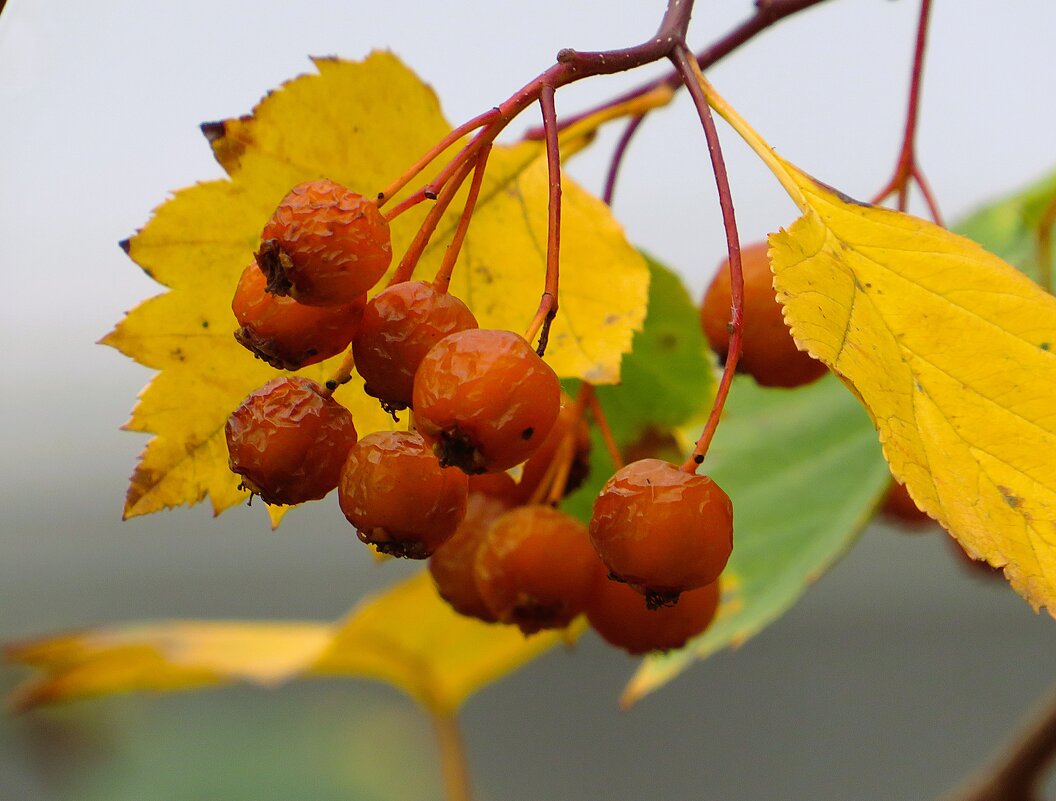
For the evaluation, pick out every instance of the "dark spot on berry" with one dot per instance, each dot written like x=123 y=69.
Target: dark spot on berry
x=527 y=433
x=312 y=352
x=729 y=328
x=274 y=262
x=698 y=459
x=616 y=578
x=381 y=195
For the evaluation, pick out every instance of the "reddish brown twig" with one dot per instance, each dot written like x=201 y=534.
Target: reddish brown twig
x=693 y=77
x=447 y=266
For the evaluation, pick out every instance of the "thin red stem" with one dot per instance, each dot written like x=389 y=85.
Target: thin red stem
x=617 y=157
x=906 y=167
x=602 y=424
x=692 y=77
x=416 y=168
x=548 y=302
x=410 y=259
x=447 y=266
x=768 y=12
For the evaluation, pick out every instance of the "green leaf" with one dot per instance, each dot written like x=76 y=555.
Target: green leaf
x=805 y=472
x=1009 y=227
x=666 y=380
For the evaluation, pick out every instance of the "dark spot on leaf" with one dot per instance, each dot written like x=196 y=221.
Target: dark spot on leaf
x=213 y=130
x=485 y=274
x=125 y=245
x=178 y=355
x=667 y=342
x=527 y=433
x=841 y=195
x=205 y=323
x=1046 y=345
x=1011 y=499
x=610 y=319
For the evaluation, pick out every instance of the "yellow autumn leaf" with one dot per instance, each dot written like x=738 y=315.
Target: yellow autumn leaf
x=951 y=351
x=360 y=124
x=406 y=636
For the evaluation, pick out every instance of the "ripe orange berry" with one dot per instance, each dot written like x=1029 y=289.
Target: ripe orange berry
x=496 y=485
x=899 y=507
x=398 y=496
x=288 y=441
x=661 y=530
x=768 y=352
x=535 y=567
x=485 y=400
x=453 y=564
x=621 y=617
x=325 y=245
x=541 y=465
x=399 y=326
x=286 y=334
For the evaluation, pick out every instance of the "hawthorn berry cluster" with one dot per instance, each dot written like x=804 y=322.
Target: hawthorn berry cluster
x=482 y=402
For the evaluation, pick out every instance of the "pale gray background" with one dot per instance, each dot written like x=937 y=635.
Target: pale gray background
x=895 y=676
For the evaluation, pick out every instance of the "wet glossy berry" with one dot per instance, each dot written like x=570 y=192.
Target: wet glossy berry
x=400 y=325
x=325 y=245
x=661 y=530
x=768 y=352
x=286 y=334
x=543 y=465
x=621 y=617
x=900 y=508
x=288 y=441
x=535 y=568
x=398 y=497
x=453 y=564
x=485 y=400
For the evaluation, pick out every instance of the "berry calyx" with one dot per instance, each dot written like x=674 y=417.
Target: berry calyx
x=286 y=334
x=768 y=352
x=485 y=400
x=399 y=326
x=535 y=567
x=325 y=245
x=398 y=497
x=661 y=530
x=621 y=617
x=453 y=564
x=288 y=440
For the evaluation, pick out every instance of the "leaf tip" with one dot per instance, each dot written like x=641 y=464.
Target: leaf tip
x=126 y=245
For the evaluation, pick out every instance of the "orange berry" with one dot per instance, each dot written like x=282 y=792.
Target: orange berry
x=662 y=530
x=399 y=326
x=621 y=617
x=286 y=334
x=288 y=441
x=325 y=245
x=398 y=496
x=535 y=567
x=485 y=400
x=768 y=352
x=453 y=564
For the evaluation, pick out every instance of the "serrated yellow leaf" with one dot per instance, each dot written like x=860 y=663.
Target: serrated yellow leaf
x=412 y=639
x=360 y=124
x=407 y=637
x=950 y=350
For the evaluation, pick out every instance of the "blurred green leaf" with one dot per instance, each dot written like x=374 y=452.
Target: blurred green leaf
x=805 y=472
x=666 y=380
x=1008 y=227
